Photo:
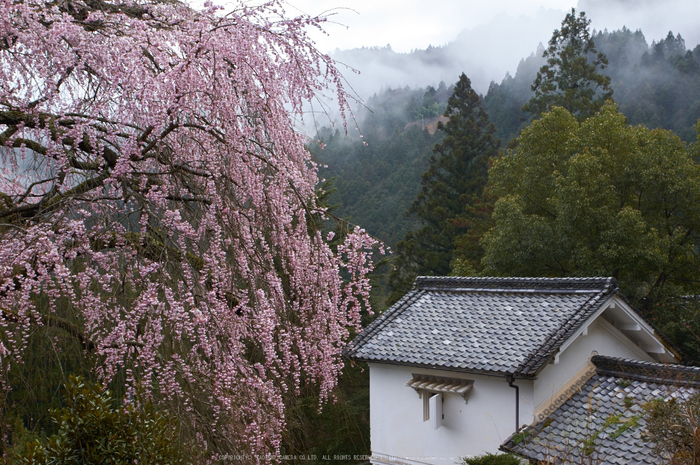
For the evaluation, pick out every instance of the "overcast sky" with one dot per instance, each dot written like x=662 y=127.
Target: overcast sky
x=415 y=24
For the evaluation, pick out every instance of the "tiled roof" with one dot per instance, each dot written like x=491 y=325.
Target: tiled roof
x=604 y=421
x=482 y=325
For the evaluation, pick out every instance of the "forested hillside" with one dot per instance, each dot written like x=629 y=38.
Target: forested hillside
x=504 y=101
x=377 y=177
x=657 y=84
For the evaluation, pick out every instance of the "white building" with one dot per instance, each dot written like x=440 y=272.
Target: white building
x=451 y=360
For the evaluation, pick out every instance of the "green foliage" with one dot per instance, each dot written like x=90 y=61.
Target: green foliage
x=431 y=106
x=679 y=319
x=18 y=439
x=673 y=427
x=662 y=86
x=568 y=79
x=492 y=459
x=623 y=383
x=520 y=437
x=475 y=221
x=454 y=181
x=90 y=430
x=619 y=422
x=603 y=198
x=656 y=85
x=615 y=425
x=588 y=445
x=35 y=381
x=623 y=426
x=378 y=182
x=600 y=198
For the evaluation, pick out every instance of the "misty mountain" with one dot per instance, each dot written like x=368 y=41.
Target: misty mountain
x=657 y=84
x=487 y=52
x=654 y=17
x=378 y=176
x=484 y=53
x=503 y=102
x=662 y=88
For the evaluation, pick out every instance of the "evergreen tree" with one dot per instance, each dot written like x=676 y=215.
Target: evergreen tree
x=454 y=181
x=568 y=79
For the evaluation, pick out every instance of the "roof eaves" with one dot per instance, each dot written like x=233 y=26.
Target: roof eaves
x=429 y=366
x=677 y=375
x=659 y=335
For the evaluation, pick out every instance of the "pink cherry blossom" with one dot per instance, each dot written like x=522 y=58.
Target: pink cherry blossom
x=150 y=174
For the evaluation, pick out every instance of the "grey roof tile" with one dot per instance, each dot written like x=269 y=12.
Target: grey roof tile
x=646 y=380
x=503 y=325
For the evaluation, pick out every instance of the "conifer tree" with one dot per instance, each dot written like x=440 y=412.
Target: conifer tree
x=454 y=181
x=569 y=79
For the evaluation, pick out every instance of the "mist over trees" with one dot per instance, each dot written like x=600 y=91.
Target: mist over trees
x=504 y=101
x=663 y=88
x=376 y=183
x=657 y=84
x=484 y=53
x=377 y=176
x=570 y=79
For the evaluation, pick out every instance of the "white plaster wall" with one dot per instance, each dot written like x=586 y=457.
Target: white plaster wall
x=473 y=428
x=602 y=338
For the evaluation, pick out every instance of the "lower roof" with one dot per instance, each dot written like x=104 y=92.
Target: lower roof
x=604 y=421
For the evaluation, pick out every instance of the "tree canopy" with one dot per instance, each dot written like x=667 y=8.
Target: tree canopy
x=157 y=205
x=598 y=198
x=569 y=79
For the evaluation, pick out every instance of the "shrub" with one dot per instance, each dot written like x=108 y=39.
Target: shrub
x=673 y=427
x=90 y=430
x=492 y=459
